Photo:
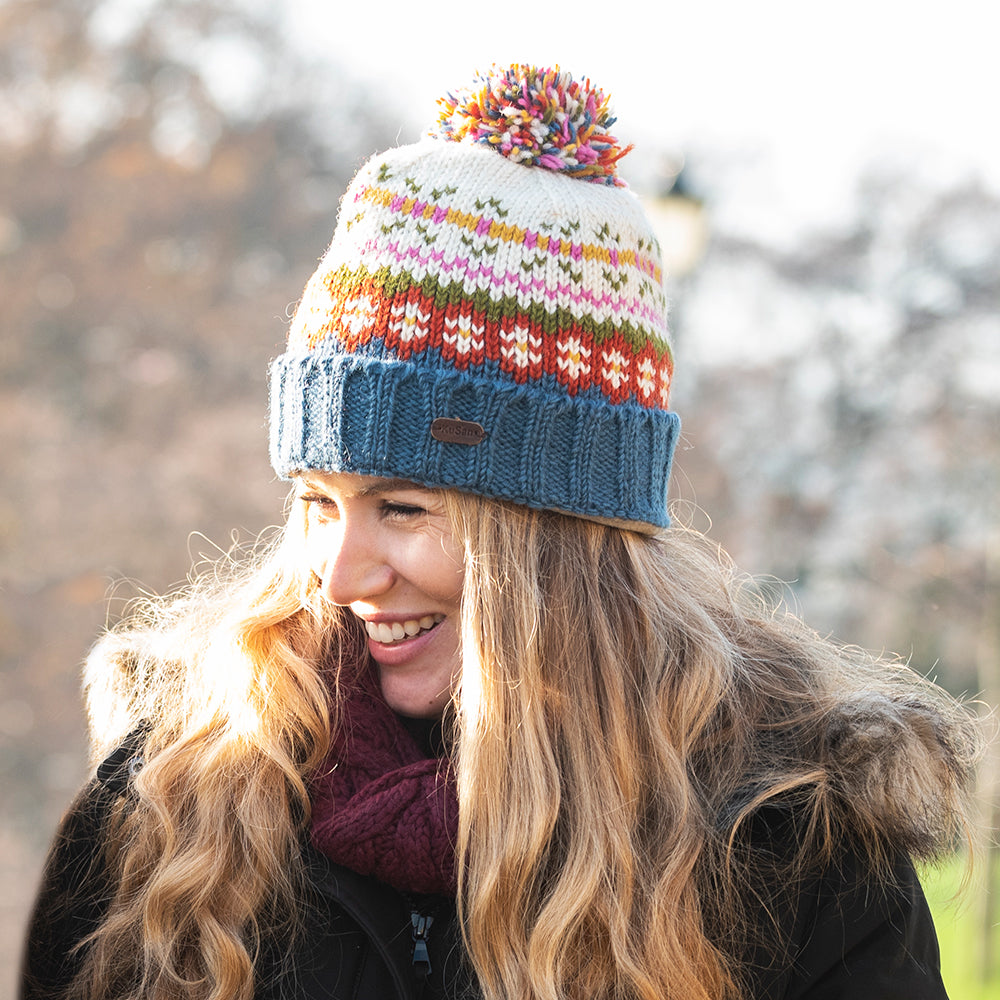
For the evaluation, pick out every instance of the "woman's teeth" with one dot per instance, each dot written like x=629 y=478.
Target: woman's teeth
x=386 y=632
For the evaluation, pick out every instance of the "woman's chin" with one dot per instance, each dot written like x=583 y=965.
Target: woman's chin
x=413 y=701
x=418 y=675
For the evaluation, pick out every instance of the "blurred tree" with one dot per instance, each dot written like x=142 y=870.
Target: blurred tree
x=170 y=171
x=167 y=189
x=844 y=400
x=842 y=421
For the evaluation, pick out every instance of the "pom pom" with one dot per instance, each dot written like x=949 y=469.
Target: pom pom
x=538 y=117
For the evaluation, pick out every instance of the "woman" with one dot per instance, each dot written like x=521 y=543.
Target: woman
x=481 y=722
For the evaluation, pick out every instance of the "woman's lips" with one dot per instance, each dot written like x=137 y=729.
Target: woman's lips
x=385 y=632
x=397 y=652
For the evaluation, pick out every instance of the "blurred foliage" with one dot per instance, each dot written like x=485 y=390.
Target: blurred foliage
x=841 y=404
x=969 y=971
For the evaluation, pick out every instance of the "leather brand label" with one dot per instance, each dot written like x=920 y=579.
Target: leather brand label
x=457 y=431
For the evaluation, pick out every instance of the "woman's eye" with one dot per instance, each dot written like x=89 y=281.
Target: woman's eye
x=322 y=505
x=392 y=508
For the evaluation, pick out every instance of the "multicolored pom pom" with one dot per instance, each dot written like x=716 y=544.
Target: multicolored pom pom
x=537 y=117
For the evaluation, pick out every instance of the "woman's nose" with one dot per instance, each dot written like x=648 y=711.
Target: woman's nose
x=354 y=568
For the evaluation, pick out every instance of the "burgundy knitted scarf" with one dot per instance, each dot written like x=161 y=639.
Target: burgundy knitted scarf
x=380 y=806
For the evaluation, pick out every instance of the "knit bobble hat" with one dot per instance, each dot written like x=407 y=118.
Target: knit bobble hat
x=490 y=315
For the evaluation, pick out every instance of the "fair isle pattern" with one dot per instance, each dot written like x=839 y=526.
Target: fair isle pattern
x=546 y=284
x=476 y=280
x=408 y=320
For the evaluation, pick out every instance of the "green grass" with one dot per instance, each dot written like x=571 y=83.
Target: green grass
x=957 y=918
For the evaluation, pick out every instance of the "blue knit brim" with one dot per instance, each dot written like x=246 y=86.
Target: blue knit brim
x=372 y=416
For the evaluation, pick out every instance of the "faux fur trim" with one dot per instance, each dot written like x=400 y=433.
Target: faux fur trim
x=901 y=769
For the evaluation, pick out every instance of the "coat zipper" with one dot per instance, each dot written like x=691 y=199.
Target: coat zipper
x=421 y=925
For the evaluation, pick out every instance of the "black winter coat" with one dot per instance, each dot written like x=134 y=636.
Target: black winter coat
x=839 y=935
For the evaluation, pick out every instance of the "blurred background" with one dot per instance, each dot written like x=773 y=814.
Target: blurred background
x=826 y=182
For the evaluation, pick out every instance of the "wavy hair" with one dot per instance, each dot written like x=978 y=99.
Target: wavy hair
x=629 y=704
x=233 y=678
x=625 y=707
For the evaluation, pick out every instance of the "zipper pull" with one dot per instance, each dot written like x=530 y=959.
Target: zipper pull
x=421 y=956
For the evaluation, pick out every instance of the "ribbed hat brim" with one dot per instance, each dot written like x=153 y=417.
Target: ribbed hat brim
x=372 y=416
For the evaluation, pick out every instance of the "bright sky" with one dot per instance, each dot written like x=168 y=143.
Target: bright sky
x=814 y=86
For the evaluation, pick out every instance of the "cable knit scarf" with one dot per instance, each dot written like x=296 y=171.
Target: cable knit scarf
x=380 y=806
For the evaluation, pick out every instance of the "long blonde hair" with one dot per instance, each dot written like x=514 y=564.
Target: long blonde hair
x=233 y=679
x=623 y=708
x=629 y=704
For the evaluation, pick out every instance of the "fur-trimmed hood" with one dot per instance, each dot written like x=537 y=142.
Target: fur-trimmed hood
x=901 y=769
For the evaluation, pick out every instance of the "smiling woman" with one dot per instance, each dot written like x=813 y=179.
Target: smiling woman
x=385 y=549
x=482 y=722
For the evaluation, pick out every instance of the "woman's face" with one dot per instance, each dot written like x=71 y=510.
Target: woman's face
x=384 y=548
